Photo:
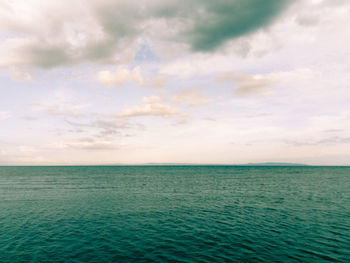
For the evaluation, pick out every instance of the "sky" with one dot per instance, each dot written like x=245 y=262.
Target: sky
x=174 y=81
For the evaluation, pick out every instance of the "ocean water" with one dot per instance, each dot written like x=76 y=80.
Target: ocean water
x=174 y=214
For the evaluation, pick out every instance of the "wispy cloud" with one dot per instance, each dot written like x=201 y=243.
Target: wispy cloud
x=332 y=140
x=191 y=97
x=248 y=84
x=150 y=109
x=84 y=144
x=62 y=102
x=105 y=128
x=61 y=110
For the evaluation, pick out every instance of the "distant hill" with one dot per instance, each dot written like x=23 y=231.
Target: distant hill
x=274 y=164
x=213 y=164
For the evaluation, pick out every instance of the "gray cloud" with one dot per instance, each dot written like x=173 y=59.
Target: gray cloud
x=29 y=118
x=47 y=56
x=334 y=140
x=326 y=141
x=105 y=128
x=311 y=13
x=335 y=2
x=333 y=130
x=307 y=20
x=219 y=21
x=55 y=33
x=248 y=84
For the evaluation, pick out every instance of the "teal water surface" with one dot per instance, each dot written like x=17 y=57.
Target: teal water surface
x=174 y=214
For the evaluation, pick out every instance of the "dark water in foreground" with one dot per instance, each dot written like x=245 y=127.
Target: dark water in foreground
x=174 y=214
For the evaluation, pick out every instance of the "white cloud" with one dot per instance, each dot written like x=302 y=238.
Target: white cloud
x=123 y=76
x=150 y=109
x=4 y=115
x=156 y=82
x=19 y=75
x=152 y=99
x=192 y=97
x=120 y=77
x=52 y=33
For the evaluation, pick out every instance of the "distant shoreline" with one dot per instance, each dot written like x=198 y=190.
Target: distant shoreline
x=268 y=164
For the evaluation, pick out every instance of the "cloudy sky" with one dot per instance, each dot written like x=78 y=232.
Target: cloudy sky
x=180 y=81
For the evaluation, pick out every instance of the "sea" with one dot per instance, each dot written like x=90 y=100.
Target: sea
x=174 y=214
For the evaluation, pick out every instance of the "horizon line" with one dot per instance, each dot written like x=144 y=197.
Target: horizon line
x=266 y=164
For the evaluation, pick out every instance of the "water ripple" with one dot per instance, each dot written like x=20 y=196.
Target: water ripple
x=174 y=214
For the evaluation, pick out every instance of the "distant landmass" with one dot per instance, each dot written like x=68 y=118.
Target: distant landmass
x=274 y=164
x=247 y=164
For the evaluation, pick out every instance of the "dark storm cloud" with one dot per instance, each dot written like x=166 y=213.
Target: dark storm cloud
x=219 y=21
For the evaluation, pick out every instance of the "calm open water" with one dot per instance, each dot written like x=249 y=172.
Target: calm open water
x=174 y=214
